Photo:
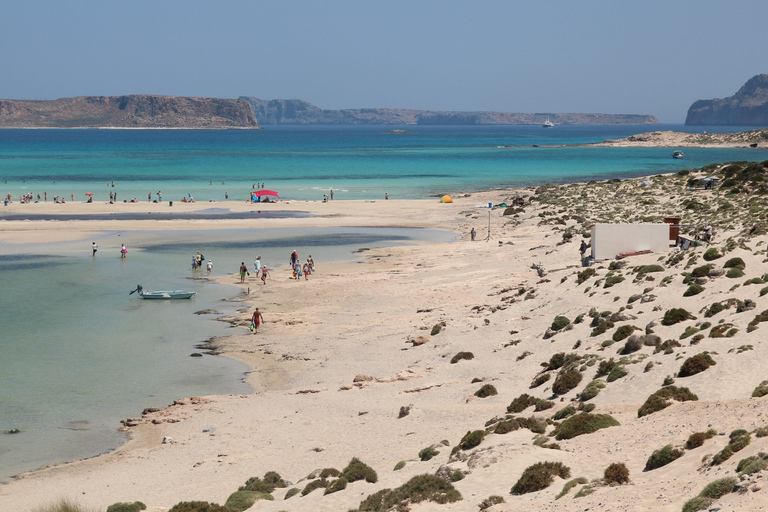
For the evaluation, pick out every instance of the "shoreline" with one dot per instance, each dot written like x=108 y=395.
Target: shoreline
x=358 y=335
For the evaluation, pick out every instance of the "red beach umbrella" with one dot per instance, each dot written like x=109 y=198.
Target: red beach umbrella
x=89 y=193
x=266 y=193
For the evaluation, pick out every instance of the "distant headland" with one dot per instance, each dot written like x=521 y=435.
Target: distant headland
x=131 y=111
x=302 y=112
x=748 y=107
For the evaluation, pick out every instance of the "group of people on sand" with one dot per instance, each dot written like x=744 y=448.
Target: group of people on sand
x=197 y=262
x=301 y=270
x=258 y=268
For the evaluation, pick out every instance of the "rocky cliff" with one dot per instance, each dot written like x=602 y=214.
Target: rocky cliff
x=748 y=107
x=133 y=111
x=301 y=112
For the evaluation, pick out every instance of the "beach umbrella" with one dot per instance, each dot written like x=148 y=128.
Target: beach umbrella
x=265 y=193
x=446 y=199
x=89 y=193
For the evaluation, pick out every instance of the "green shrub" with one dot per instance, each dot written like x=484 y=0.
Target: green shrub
x=675 y=315
x=540 y=379
x=358 y=470
x=755 y=465
x=763 y=291
x=701 y=271
x=329 y=472
x=293 y=491
x=570 y=484
x=714 y=309
x=605 y=367
x=617 y=372
x=662 y=457
x=490 y=501
x=136 y=506
x=457 y=475
x=539 y=476
x=623 y=331
x=566 y=382
x=696 y=364
x=198 y=506
x=543 y=405
x=400 y=465
x=471 y=439
x=663 y=398
x=696 y=504
x=427 y=453
x=417 y=489
x=645 y=269
x=616 y=473
x=761 y=390
x=336 y=485
x=585 y=274
x=317 y=483
x=521 y=403
x=462 y=355
x=719 y=488
x=243 y=500
x=559 y=323
x=693 y=289
x=689 y=331
x=735 y=263
x=610 y=281
x=734 y=273
x=592 y=390
x=697 y=439
x=436 y=329
x=506 y=426
x=564 y=413
x=711 y=254
x=583 y=423
x=274 y=478
x=602 y=326
x=486 y=391
x=722 y=331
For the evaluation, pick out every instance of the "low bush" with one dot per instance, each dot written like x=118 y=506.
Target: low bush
x=701 y=271
x=336 y=485
x=592 y=390
x=675 y=315
x=696 y=364
x=293 y=491
x=563 y=413
x=317 y=483
x=616 y=473
x=645 y=269
x=358 y=470
x=521 y=403
x=585 y=274
x=543 y=405
x=239 y=501
x=490 y=501
x=417 y=489
x=735 y=263
x=602 y=326
x=697 y=439
x=696 y=504
x=136 y=506
x=693 y=289
x=329 y=472
x=633 y=344
x=623 y=331
x=540 y=476
x=486 y=391
x=662 y=457
x=559 y=322
x=605 y=367
x=540 y=379
x=198 y=506
x=616 y=373
x=719 y=488
x=663 y=398
x=427 y=453
x=400 y=465
x=566 y=382
x=726 y=330
x=613 y=280
x=752 y=465
x=583 y=423
x=471 y=439
x=761 y=390
x=436 y=329
x=462 y=355
x=711 y=254
x=570 y=484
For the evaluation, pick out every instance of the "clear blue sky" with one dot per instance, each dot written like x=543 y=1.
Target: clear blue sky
x=648 y=57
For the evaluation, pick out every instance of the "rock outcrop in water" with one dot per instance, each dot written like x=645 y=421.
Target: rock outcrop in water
x=132 y=111
x=301 y=112
x=748 y=107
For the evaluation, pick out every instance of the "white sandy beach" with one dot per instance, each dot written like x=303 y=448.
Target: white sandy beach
x=341 y=353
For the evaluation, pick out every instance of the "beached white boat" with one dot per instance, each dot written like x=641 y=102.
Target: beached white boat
x=677 y=154
x=548 y=123
x=162 y=294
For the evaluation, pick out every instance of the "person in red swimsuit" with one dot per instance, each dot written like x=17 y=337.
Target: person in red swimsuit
x=256 y=320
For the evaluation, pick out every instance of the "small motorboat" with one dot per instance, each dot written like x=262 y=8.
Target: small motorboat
x=548 y=123
x=162 y=294
x=677 y=154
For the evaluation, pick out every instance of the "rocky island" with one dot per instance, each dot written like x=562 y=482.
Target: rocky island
x=302 y=112
x=752 y=138
x=131 y=111
x=748 y=107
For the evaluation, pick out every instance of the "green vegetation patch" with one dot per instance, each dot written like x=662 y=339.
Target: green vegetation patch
x=336 y=485
x=570 y=484
x=521 y=403
x=293 y=491
x=711 y=254
x=697 y=439
x=696 y=364
x=761 y=390
x=427 y=453
x=613 y=280
x=486 y=391
x=359 y=470
x=559 y=322
x=663 y=398
x=592 y=390
x=693 y=289
x=566 y=382
x=239 y=501
x=583 y=423
x=616 y=373
x=662 y=457
x=462 y=355
x=417 y=489
x=471 y=439
x=623 y=332
x=198 y=506
x=585 y=274
x=136 y=506
x=676 y=315
x=540 y=476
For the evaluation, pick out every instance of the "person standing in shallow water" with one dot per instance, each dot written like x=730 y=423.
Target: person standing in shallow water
x=95 y=248
x=123 y=251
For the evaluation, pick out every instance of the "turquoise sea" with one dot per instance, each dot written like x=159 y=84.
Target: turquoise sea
x=78 y=353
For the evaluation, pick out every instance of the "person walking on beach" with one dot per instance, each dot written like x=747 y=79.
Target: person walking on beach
x=95 y=248
x=264 y=274
x=257 y=265
x=331 y=194
x=243 y=271
x=256 y=320
x=311 y=263
x=123 y=250
x=305 y=269
x=473 y=234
